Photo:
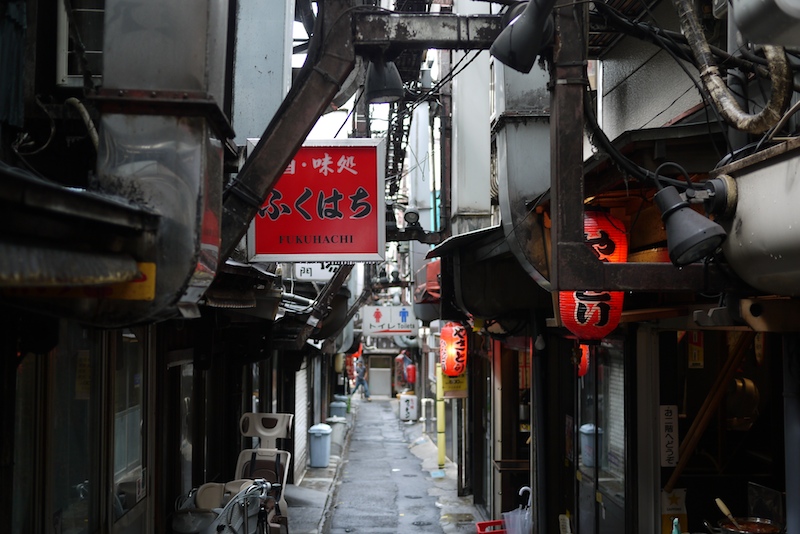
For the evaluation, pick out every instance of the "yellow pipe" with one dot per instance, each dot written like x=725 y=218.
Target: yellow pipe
x=440 y=426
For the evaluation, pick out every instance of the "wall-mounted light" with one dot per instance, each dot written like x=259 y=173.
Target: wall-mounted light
x=411 y=216
x=383 y=83
x=520 y=42
x=690 y=236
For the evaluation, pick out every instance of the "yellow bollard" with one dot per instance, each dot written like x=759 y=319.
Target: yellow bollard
x=440 y=422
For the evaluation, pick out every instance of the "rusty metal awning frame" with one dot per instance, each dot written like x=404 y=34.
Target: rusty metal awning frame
x=573 y=265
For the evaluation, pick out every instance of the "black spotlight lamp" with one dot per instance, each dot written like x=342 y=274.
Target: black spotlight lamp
x=520 y=42
x=383 y=83
x=690 y=236
x=411 y=216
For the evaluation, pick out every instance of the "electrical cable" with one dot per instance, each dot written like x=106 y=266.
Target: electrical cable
x=452 y=73
x=791 y=111
x=669 y=45
x=355 y=106
x=601 y=141
x=87 y=120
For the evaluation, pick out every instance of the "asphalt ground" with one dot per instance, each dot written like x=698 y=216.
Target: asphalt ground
x=386 y=479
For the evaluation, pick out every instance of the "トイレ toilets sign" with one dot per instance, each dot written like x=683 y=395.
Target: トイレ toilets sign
x=328 y=206
x=387 y=321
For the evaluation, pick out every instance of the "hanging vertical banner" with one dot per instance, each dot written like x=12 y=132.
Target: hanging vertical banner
x=328 y=205
x=668 y=424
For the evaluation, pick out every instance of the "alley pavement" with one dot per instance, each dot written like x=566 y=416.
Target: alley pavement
x=383 y=477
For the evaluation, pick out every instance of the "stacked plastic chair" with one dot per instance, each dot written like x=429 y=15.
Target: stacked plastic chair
x=266 y=461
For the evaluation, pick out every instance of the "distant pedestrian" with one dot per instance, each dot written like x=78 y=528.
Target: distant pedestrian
x=361 y=379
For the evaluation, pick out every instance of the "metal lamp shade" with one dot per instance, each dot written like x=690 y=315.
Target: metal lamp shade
x=690 y=236
x=521 y=41
x=383 y=83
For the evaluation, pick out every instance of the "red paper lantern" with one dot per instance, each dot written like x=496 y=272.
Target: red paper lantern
x=592 y=315
x=411 y=374
x=453 y=349
x=583 y=365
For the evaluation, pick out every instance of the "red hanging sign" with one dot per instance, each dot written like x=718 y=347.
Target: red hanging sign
x=592 y=315
x=453 y=349
x=327 y=206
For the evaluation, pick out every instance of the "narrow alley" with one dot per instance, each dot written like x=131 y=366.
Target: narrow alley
x=389 y=480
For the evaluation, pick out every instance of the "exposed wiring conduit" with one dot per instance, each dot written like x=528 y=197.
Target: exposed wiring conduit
x=87 y=120
x=721 y=96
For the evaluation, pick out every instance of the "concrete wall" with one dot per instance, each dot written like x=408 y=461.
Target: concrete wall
x=643 y=86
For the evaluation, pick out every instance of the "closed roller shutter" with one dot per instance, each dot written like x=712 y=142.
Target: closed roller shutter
x=300 y=423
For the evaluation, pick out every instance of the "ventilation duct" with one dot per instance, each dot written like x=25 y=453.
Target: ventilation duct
x=161 y=144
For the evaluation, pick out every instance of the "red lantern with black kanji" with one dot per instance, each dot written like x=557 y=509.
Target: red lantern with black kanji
x=592 y=315
x=453 y=349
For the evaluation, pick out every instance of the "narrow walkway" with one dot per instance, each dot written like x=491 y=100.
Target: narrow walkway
x=389 y=480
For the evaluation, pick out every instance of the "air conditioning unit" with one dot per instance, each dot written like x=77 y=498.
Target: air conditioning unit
x=87 y=17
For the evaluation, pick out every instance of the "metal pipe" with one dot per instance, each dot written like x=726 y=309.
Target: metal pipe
x=424 y=420
x=737 y=138
x=721 y=96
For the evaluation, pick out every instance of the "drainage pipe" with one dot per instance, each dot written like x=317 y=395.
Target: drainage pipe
x=721 y=96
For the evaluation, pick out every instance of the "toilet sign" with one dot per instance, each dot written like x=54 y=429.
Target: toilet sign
x=384 y=321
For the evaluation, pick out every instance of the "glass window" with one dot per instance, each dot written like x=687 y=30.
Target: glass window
x=602 y=440
x=128 y=422
x=73 y=434
x=187 y=402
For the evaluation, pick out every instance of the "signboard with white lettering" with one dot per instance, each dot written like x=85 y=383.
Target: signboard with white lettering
x=384 y=321
x=328 y=205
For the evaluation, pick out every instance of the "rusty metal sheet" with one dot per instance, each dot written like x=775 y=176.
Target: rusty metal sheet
x=26 y=265
x=423 y=31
